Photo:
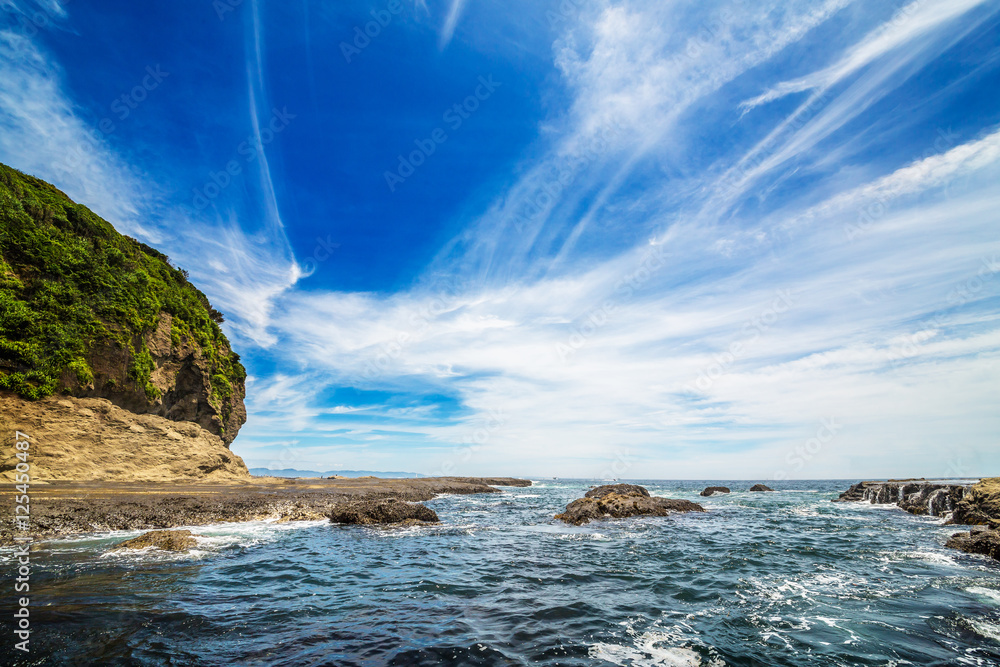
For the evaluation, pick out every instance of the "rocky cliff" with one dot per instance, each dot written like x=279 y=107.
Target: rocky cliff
x=87 y=312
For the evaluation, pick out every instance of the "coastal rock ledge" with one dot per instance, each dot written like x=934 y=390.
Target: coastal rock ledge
x=619 y=501
x=914 y=496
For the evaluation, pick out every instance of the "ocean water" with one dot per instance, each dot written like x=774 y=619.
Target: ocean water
x=787 y=578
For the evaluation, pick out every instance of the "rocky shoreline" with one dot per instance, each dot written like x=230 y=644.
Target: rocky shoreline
x=60 y=509
x=968 y=504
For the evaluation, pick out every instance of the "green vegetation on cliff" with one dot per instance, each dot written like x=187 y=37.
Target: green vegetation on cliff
x=70 y=284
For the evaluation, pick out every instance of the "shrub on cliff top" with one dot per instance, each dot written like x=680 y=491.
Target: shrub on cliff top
x=70 y=283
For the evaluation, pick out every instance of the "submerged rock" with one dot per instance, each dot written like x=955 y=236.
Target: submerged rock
x=715 y=489
x=761 y=487
x=628 y=500
x=621 y=489
x=168 y=540
x=382 y=512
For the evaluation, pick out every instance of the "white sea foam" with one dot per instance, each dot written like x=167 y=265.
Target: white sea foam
x=927 y=556
x=211 y=538
x=646 y=654
x=985 y=628
x=656 y=647
x=988 y=593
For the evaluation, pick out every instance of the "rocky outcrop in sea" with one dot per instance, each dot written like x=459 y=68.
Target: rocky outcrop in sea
x=619 y=501
x=385 y=511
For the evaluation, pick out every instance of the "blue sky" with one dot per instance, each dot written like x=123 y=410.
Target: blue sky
x=605 y=239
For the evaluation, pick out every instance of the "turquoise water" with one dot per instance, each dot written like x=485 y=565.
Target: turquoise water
x=760 y=579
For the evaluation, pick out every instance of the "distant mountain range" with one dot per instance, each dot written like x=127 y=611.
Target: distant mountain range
x=291 y=472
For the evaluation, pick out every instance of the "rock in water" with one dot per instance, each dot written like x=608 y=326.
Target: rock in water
x=715 y=489
x=382 y=512
x=168 y=540
x=621 y=489
x=761 y=487
x=984 y=542
x=601 y=503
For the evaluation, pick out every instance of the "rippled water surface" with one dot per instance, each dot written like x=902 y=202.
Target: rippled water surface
x=787 y=578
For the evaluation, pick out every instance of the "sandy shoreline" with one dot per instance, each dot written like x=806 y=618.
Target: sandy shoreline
x=60 y=509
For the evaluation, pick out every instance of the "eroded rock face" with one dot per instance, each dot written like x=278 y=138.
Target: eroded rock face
x=168 y=540
x=980 y=505
x=382 y=512
x=621 y=489
x=636 y=501
x=761 y=488
x=711 y=490
x=91 y=439
x=914 y=496
x=182 y=375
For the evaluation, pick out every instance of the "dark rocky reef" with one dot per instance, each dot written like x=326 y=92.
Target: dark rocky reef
x=711 y=490
x=980 y=540
x=605 y=502
x=67 y=508
x=761 y=488
x=492 y=481
x=168 y=540
x=620 y=489
x=914 y=496
x=367 y=512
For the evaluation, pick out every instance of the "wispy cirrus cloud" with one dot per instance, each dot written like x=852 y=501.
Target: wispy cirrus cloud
x=665 y=276
x=243 y=269
x=589 y=349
